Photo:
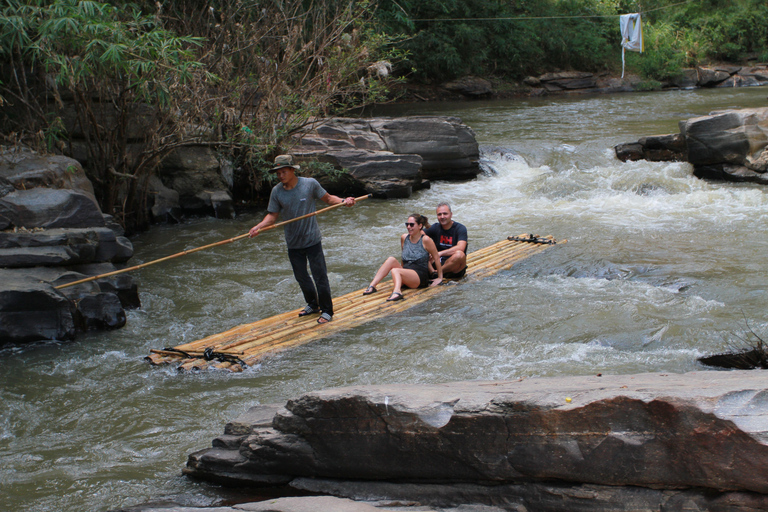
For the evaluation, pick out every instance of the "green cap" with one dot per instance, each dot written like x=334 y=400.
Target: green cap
x=282 y=161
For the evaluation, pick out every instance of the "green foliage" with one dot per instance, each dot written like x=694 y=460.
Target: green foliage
x=283 y=64
x=447 y=39
x=316 y=169
x=83 y=43
x=717 y=30
x=114 y=65
x=450 y=38
x=662 y=58
x=246 y=77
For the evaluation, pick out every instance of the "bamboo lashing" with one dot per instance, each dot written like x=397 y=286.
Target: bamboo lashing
x=250 y=343
x=209 y=246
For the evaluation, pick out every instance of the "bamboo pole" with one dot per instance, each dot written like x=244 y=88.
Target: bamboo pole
x=209 y=246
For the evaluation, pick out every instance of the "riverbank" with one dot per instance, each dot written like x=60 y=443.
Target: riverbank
x=578 y=82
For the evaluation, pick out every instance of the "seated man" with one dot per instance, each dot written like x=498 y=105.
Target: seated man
x=451 y=241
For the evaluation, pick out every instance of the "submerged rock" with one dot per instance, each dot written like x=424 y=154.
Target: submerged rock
x=596 y=443
x=659 y=148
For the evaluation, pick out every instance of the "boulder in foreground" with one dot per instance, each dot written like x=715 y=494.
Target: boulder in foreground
x=652 y=440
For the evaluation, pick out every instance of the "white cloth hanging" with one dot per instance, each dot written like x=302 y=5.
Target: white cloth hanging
x=631 y=35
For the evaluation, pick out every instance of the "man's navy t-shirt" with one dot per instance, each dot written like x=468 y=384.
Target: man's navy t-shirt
x=447 y=238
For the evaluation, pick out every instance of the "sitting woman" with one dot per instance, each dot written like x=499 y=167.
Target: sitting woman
x=414 y=272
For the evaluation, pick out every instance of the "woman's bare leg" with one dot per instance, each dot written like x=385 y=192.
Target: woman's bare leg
x=389 y=264
x=404 y=276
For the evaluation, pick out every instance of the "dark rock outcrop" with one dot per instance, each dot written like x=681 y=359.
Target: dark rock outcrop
x=48 y=208
x=659 y=148
x=470 y=86
x=392 y=157
x=194 y=175
x=601 y=442
x=567 y=80
x=62 y=247
x=26 y=170
x=578 y=82
x=727 y=145
x=52 y=232
x=99 y=311
x=31 y=310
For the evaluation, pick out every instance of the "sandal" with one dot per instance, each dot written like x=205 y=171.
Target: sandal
x=324 y=318
x=395 y=296
x=370 y=290
x=308 y=310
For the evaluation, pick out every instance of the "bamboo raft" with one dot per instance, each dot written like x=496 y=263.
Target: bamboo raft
x=246 y=345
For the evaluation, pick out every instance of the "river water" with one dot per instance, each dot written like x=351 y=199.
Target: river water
x=659 y=268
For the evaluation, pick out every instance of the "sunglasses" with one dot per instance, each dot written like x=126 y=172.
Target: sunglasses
x=410 y=224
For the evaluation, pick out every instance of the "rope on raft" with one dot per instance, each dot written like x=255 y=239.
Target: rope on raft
x=534 y=239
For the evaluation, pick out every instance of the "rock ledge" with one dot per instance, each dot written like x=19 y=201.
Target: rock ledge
x=653 y=438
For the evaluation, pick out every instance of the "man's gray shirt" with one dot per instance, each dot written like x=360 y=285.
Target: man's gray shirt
x=298 y=201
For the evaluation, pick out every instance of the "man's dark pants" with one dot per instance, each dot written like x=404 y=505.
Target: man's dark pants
x=320 y=296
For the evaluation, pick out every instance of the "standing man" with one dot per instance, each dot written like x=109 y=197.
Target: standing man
x=451 y=241
x=291 y=198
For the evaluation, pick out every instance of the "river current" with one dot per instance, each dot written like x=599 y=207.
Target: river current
x=659 y=269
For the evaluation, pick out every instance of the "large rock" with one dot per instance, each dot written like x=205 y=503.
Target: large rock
x=711 y=77
x=26 y=170
x=194 y=173
x=448 y=147
x=381 y=173
x=99 y=311
x=567 y=81
x=470 y=86
x=733 y=137
x=62 y=247
x=728 y=145
x=122 y=285
x=390 y=157
x=638 y=435
x=753 y=76
x=49 y=208
x=50 y=222
x=98 y=304
x=31 y=310
x=658 y=148
x=687 y=78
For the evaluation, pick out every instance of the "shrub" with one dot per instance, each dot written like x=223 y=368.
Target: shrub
x=662 y=58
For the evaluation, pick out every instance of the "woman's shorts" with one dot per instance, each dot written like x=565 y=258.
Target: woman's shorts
x=421 y=271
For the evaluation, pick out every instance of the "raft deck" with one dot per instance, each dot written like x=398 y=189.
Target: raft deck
x=247 y=344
